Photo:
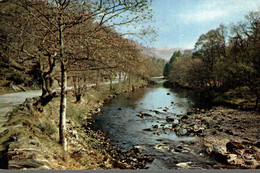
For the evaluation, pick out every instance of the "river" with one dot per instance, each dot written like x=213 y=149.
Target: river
x=140 y=119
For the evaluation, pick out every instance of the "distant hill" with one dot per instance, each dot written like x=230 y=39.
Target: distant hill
x=163 y=53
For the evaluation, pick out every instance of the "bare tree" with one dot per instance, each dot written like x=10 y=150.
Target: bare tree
x=62 y=24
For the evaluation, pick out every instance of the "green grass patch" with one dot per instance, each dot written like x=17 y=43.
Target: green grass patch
x=76 y=114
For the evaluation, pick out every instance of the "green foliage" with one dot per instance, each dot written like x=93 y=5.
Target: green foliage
x=166 y=69
x=220 y=65
x=169 y=65
x=156 y=67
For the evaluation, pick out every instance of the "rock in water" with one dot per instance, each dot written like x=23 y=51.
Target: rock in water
x=182 y=132
x=184 y=117
x=183 y=165
x=169 y=119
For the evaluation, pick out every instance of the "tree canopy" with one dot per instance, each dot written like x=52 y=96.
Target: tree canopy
x=224 y=59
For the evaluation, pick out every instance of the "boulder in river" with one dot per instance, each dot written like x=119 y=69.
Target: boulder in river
x=142 y=115
x=174 y=125
x=138 y=149
x=183 y=165
x=182 y=132
x=148 y=129
x=157 y=112
x=184 y=117
x=169 y=119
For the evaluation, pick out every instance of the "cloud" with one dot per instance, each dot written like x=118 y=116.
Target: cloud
x=215 y=10
x=203 y=16
x=180 y=22
x=235 y=6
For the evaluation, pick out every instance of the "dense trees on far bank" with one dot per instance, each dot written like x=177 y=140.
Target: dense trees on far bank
x=225 y=63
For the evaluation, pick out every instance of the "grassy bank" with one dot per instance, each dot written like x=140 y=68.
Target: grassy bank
x=30 y=140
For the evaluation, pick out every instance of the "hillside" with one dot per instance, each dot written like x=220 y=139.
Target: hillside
x=163 y=53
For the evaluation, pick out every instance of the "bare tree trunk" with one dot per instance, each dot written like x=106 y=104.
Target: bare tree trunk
x=63 y=106
x=129 y=80
x=125 y=77
x=78 y=98
x=111 y=83
x=63 y=100
x=46 y=83
x=79 y=89
x=119 y=78
x=97 y=80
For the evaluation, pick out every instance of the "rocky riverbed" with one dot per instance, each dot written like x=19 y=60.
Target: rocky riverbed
x=231 y=136
x=159 y=121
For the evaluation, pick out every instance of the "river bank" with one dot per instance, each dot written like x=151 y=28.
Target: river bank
x=30 y=136
x=238 y=98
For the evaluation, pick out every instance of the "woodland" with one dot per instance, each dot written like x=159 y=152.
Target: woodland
x=224 y=65
x=72 y=43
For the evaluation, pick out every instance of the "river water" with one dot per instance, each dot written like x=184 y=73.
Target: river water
x=121 y=120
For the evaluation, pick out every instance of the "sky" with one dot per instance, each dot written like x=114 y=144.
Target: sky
x=179 y=23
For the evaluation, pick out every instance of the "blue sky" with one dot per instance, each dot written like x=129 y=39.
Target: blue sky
x=179 y=23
